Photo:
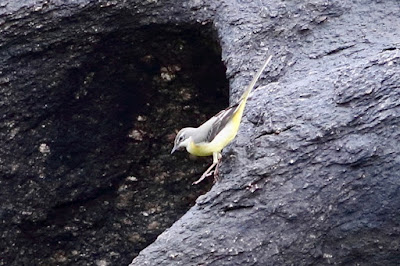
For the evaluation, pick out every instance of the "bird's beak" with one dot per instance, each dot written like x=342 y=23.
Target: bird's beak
x=174 y=149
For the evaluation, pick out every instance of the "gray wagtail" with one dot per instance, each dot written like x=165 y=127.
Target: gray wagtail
x=212 y=136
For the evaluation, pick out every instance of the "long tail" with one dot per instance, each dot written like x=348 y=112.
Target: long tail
x=253 y=82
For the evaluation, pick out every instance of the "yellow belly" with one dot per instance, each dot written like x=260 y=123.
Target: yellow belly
x=220 y=141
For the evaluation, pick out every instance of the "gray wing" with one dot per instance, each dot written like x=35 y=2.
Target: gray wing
x=222 y=118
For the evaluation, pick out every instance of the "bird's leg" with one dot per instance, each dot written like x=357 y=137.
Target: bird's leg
x=216 y=159
x=216 y=171
x=205 y=174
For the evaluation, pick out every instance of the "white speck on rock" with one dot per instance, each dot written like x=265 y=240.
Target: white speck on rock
x=101 y=263
x=44 y=148
x=132 y=178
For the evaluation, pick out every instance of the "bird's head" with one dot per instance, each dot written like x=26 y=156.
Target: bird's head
x=182 y=139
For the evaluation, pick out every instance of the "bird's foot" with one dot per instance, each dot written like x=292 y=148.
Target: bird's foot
x=207 y=173
x=216 y=175
x=203 y=176
x=210 y=172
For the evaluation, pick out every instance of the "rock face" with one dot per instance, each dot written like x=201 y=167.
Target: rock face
x=90 y=97
x=91 y=93
x=313 y=176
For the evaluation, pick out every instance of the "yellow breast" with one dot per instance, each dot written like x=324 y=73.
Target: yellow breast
x=227 y=134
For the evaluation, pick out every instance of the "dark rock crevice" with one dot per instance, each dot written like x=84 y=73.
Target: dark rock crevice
x=89 y=111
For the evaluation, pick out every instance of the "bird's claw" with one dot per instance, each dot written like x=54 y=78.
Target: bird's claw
x=210 y=173
x=203 y=176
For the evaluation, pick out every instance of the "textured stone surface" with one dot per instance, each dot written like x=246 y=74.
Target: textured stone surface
x=90 y=97
x=313 y=176
x=91 y=93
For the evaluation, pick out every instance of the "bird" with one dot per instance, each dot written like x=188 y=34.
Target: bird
x=217 y=132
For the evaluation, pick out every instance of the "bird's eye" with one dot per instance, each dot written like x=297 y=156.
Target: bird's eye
x=181 y=138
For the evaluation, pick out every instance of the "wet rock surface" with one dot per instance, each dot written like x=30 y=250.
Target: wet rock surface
x=91 y=94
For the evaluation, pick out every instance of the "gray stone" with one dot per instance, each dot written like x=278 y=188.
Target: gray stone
x=313 y=176
x=91 y=93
